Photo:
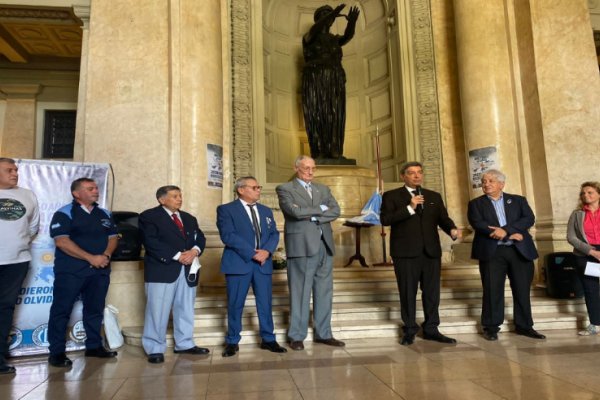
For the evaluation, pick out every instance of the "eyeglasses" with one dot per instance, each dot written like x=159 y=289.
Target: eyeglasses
x=254 y=187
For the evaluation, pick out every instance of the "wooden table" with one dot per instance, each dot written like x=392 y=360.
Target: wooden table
x=357 y=256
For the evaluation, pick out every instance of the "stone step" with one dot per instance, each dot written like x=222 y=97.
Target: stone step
x=350 y=277
x=356 y=329
x=217 y=316
x=208 y=300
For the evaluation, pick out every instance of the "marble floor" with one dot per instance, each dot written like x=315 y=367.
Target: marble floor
x=564 y=366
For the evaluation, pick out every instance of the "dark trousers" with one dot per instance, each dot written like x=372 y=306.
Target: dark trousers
x=67 y=287
x=507 y=261
x=237 y=291
x=591 y=289
x=11 y=280
x=410 y=272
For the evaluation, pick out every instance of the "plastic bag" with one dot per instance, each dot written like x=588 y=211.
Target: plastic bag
x=112 y=330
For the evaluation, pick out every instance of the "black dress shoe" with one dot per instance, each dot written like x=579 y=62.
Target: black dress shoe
x=532 y=333
x=438 y=337
x=59 y=360
x=193 y=350
x=296 y=345
x=156 y=358
x=5 y=368
x=491 y=336
x=273 y=346
x=100 y=352
x=407 y=340
x=230 y=350
x=330 y=342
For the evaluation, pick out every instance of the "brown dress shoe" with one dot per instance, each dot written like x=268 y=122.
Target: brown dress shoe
x=330 y=342
x=296 y=345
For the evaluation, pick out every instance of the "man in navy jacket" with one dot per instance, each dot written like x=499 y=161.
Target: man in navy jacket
x=503 y=246
x=250 y=235
x=172 y=240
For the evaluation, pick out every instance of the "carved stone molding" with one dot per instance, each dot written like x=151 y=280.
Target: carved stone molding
x=425 y=88
x=241 y=77
x=427 y=100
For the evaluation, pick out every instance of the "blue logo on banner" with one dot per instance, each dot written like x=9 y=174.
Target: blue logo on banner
x=14 y=338
x=40 y=336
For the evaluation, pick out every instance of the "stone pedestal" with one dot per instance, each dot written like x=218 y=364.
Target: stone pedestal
x=352 y=187
x=126 y=292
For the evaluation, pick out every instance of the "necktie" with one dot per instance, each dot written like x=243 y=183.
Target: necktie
x=416 y=192
x=309 y=189
x=178 y=223
x=255 y=225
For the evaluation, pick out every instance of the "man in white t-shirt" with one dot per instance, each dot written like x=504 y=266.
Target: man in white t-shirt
x=19 y=222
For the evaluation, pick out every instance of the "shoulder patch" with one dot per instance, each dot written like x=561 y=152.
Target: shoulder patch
x=67 y=210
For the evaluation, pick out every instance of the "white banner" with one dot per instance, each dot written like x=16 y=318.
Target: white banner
x=51 y=182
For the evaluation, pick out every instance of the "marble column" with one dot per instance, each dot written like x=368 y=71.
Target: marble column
x=17 y=139
x=83 y=12
x=197 y=114
x=153 y=99
x=487 y=86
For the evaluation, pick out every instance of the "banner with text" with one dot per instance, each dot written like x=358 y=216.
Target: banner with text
x=51 y=182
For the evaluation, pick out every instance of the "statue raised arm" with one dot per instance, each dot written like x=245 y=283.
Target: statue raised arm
x=324 y=84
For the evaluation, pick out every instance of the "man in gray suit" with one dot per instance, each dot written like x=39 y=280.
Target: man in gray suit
x=308 y=209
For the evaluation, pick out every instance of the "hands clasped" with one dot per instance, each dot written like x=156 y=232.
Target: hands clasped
x=260 y=256
x=500 y=234
x=187 y=257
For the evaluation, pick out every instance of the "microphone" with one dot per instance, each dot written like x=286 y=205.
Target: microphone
x=419 y=209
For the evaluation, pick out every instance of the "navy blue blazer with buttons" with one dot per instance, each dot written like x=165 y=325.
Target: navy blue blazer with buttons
x=519 y=218
x=162 y=239
x=237 y=233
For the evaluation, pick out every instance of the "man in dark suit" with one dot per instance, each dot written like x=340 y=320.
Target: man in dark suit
x=173 y=241
x=308 y=209
x=250 y=235
x=414 y=214
x=503 y=246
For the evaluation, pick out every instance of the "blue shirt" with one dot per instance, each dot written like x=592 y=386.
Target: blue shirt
x=90 y=231
x=501 y=214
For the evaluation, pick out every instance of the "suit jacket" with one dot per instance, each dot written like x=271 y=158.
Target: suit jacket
x=237 y=233
x=413 y=234
x=162 y=240
x=519 y=218
x=576 y=235
x=303 y=236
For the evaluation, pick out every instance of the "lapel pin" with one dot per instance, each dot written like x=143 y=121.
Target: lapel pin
x=508 y=201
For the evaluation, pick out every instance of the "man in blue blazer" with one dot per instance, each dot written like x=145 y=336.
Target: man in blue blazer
x=504 y=247
x=172 y=240
x=250 y=235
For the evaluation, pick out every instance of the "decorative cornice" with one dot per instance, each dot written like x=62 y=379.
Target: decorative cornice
x=427 y=100
x=23 y=12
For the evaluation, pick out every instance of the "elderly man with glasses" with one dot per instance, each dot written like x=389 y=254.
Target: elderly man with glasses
x=308 y=209
x=250 y=235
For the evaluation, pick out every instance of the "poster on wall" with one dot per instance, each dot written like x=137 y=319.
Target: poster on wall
x=214 y=158
x=51 y=183
x=481 y=160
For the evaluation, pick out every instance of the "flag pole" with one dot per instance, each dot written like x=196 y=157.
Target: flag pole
x=384 y=263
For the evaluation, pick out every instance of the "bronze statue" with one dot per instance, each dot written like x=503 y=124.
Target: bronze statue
x=324 y=85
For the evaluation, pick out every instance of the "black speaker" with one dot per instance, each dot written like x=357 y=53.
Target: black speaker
x=130 y=244
x=562 y=280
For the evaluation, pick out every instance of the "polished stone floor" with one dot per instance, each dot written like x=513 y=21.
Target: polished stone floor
x=565 y=366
